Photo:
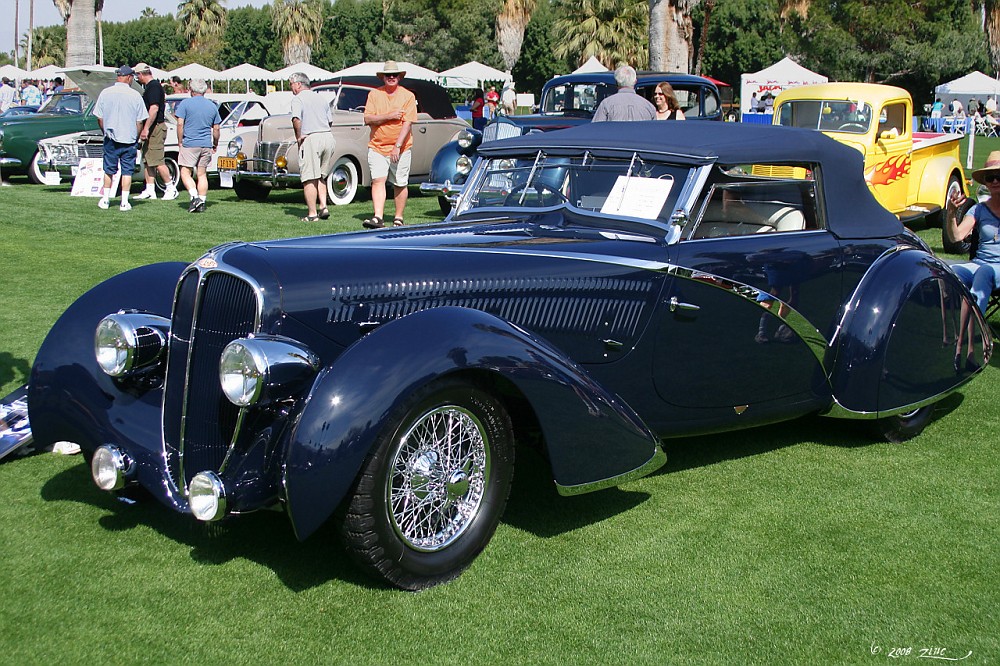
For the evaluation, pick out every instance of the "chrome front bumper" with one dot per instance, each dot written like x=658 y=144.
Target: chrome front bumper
x=448 y=190
x=10 y=161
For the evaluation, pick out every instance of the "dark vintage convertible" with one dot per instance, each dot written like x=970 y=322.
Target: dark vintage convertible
x=596 y=290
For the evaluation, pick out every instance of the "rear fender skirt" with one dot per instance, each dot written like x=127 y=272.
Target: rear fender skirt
x=592 y=438
x=895 y=346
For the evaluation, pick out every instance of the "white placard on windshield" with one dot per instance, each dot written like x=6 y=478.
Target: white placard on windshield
x=638 y=197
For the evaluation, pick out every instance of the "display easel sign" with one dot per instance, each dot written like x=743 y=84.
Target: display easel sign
x=90 y=178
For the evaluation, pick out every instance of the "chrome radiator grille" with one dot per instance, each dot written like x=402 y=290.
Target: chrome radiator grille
x=500 y=130
x=199 y=423
x=270 y=151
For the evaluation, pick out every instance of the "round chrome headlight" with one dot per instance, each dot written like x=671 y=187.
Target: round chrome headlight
x=241 y=373
x=109 y=467
x=463 y=165
x=126 y=342
x=465 y=139
x=264 y=367
x=235 y=146
x=207 y=496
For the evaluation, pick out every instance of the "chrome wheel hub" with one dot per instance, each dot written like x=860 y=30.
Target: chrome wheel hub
x=438 y=478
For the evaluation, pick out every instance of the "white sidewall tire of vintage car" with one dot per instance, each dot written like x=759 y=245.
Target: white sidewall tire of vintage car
x=175 y=174
x=342 y=183
x=35 y=173
x=407 y=463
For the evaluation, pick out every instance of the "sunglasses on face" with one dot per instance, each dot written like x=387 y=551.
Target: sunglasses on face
x=391 y=76
x=658 y=95
x=991 y=178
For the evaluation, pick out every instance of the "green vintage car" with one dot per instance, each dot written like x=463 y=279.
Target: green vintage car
x=19 y=135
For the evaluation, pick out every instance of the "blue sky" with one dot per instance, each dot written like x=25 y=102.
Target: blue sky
x=114 y=10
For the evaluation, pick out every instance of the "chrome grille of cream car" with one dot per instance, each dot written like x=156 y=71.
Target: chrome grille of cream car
x=211 y=309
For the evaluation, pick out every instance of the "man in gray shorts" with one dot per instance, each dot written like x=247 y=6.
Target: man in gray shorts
x=198 y=133
x=311 y=118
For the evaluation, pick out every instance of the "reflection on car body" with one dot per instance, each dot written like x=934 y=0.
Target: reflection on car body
x=595 y=291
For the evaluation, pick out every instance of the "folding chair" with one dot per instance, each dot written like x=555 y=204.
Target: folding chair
x=993 y=305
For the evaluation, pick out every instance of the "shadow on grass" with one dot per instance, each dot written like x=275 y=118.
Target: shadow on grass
x=13 y=369
x=265 y=538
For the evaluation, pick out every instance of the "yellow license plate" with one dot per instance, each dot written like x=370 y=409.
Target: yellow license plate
x=228 y=163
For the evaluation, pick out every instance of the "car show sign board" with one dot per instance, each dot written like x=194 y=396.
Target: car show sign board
x=89 y=178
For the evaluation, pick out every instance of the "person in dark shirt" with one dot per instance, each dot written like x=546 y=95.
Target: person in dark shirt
x=153 y=135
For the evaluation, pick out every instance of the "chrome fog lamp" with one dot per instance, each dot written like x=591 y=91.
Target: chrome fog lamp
x=281 y=162
x=207 y=496
x=252 y=369
x=126 y=342
x=110 y=467
x=465 y=139
x=463 y=165
x=234 y=147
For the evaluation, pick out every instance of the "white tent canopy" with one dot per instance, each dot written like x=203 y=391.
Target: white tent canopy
x=974 y=84
x=13 y=73
x=312 y=71
x=786 y=73
x=245 y=72
x=472 y=75
x=195 y=71
x=47 y=72
x=592 y=65
x=372 y=68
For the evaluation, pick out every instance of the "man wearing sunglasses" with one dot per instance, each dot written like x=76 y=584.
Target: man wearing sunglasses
x=390 y=112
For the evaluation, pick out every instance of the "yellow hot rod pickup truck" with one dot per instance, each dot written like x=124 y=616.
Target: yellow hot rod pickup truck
x=910 y=173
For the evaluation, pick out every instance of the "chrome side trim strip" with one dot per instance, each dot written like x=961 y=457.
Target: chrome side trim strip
x=838 y=411
x=658 y=460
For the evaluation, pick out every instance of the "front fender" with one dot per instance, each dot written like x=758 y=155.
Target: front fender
x=443 y=168
x=934 y=179
x=590 y=435
x=897 y=341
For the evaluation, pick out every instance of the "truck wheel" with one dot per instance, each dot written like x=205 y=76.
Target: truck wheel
x=342 y=183
x=248 y=189
x=964 y=245
x=432 y=491
x=170 y=161
x=902 y=427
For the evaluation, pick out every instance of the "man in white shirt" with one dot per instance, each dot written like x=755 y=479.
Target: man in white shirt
x=120 y=112
x=7 y=95
x=311 y=118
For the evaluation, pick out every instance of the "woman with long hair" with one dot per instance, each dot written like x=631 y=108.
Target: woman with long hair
x=667 y=106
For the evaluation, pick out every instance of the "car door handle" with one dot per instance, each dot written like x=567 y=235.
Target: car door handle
x=676 y=305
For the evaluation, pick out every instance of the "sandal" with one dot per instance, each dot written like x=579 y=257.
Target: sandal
x=324 y=214
x=374 y=222
x=397 y=221
x=311 y=218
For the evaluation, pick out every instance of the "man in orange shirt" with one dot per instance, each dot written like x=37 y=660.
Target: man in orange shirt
x=390 y=112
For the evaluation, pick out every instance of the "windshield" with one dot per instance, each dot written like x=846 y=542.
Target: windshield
x=74 y=103
x=623 y=187
x=826 y=115
x=575 y=98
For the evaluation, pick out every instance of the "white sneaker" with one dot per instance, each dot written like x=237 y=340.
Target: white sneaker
x=146 y=194
x=125 y=206
x=171 y=193
x=103 y=204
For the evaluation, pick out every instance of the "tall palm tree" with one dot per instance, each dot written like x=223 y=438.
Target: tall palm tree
x=202 y=21
x=297 y=24
x=511 y=22
x=992 y=28
x=613 y=31
x=80 y=17
x=671 y=32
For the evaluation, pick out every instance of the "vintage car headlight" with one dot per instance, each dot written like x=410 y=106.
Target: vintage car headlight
x=281 y=162
x=111 y=468
x=465 y=138
x=463 y=165
x=207 y=496
x=127 y=342
x=234 y=147
x=266 y=367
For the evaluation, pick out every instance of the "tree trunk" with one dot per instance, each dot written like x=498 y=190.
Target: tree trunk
x=671 y=35
x=510 y=37
x=992 y=29
x=81 y=40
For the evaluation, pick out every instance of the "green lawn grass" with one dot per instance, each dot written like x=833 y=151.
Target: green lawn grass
x=808 y=542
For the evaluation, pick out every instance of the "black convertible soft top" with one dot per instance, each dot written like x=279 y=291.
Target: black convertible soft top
x=852 y=210
x=431 y=98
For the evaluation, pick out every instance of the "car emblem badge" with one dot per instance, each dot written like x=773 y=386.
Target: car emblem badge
x=207 y=262
x=739 y=409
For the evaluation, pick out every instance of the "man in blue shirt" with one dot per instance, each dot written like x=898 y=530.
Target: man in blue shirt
x=120 y=113
x=198 y=133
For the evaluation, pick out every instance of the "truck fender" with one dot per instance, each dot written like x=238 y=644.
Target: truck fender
x=895 y=347
x=590 y=435
x=934 y=179
x=68 y=394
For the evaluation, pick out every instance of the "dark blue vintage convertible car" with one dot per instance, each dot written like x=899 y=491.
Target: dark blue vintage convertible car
x=566 y=101
x=596 y=290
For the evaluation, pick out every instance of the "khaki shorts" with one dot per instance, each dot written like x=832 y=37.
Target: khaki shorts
x=195 y=157
x=152 y=148
x=382 y=167
x=316 y=156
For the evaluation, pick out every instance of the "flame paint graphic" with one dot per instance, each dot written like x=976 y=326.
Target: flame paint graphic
x=889 y=171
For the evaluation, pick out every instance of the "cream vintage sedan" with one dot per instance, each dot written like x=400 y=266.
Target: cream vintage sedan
x=266 y=159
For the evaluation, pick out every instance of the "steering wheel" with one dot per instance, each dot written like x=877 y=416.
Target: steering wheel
x=544 y=190
x=849 y=126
